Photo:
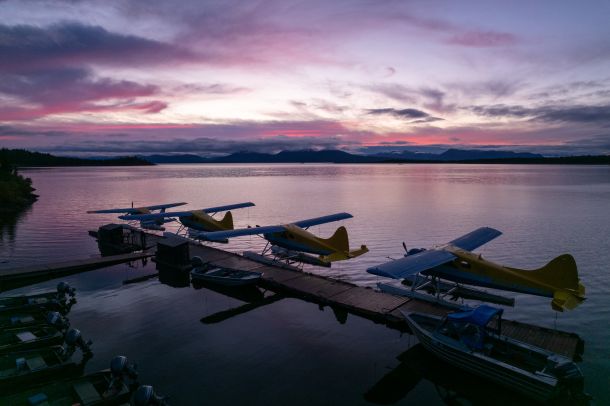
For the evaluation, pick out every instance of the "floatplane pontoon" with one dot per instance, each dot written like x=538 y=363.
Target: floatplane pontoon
x=456 y=263
x=292 y=243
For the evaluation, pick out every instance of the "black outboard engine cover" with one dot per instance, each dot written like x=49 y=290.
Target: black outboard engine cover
x=146 y=396
x=74 y=339
x=118 y=364
x=63 y=289
x=120 y=367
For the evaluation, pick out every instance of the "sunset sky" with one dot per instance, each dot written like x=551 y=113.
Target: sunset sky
x=139 y=77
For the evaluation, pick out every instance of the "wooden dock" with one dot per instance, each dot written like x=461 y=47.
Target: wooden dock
x=377 y=306
x=368 y=303
x=19 y=277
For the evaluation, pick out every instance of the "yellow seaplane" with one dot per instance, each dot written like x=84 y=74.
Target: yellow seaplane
x=156 y=224
x=200 y=220
x=293 y=241
x=455 y=262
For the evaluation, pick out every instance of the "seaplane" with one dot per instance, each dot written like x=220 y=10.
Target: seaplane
x=455 y=262
x=151 y=224
x=292 y=242
x=194 y=220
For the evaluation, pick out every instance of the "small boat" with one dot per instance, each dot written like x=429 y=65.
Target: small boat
x=21 y=368
x=88 y=390
x=24 y=338
x=62 y=299
x=32 y=317
x=222 y=276
x=472 y=340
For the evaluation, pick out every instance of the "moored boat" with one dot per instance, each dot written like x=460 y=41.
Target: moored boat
x=222 y=276
x=33 y=317
x=88 y=390
x=472 y=340
x=21 y=368
x=23 y=338
x=61 y=300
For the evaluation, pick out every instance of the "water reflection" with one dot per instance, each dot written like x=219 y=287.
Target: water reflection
x=9 y=221
x=454 y=386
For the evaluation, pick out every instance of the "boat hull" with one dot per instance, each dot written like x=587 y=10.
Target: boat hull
x=538 y=388
x=226 y=277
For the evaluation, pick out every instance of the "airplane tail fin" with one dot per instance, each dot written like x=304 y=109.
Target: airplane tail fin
x=339 y=240
x=227 y=221
x=562 y=274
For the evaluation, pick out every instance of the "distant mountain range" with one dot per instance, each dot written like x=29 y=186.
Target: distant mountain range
x=336 y=156
x=309 y=156
x=21 y=158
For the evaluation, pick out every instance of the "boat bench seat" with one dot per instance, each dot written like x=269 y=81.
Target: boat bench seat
x=36 y=363
x=26 y=336
x=16 y=320
x=39 y=399
x=86 y=392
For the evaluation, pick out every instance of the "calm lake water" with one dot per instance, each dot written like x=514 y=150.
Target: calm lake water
x=291 y=351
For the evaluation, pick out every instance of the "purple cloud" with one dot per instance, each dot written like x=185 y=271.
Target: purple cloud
x=69 y=90
x=27 y=47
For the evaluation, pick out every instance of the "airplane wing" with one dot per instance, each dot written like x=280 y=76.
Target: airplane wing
x=228 y=207
x=322 y=220
x=136 y=209
x=223 y=235
x=476 y=238
x=154 y=216
x=412 y=264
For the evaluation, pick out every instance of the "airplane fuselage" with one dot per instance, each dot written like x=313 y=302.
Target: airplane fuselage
x=472 y=269
x=298 y=239
x=203 y=222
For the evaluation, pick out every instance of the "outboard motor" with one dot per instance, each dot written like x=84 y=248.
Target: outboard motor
x=74 y=339
x=63 y=290
x=56 y=320
x=145 y=396
x=123 y=374
x=568 y=374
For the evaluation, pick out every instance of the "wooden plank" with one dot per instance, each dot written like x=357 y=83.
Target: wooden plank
x=208 y=254
x=278 y=276
x=369 y=300
x=321 y=288
x=233 y=262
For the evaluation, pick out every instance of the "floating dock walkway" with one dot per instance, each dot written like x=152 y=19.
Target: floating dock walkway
x=18 y=277
x=374 y=305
